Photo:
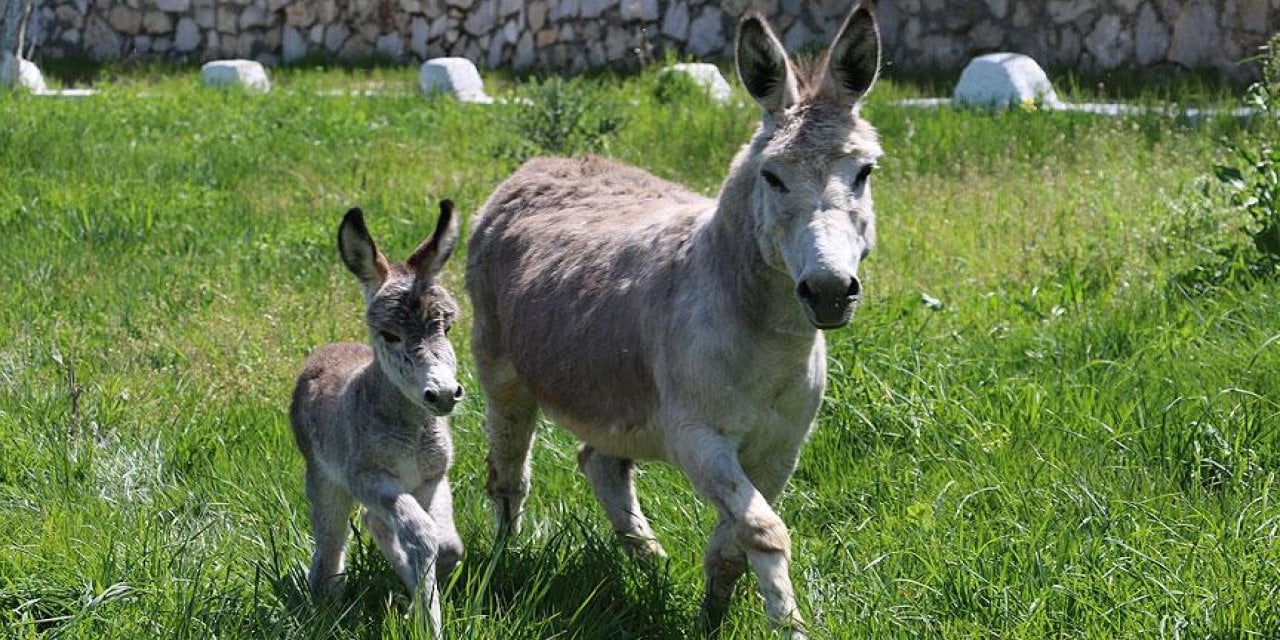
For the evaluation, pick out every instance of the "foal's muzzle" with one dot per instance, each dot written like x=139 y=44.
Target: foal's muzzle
x=441 y=401
x=829 y=300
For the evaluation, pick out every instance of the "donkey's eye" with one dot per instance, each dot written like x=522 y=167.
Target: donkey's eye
x=389 y=337
x=773 y=180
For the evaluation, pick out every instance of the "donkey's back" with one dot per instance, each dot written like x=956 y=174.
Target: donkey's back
x=582 y=254
x=606 y=190
x=317 y=395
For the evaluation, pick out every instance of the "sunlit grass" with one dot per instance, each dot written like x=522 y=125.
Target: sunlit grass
x=1069 y=445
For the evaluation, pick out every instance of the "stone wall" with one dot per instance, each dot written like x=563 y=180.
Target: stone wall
x=577 y=34
x=1089 y=34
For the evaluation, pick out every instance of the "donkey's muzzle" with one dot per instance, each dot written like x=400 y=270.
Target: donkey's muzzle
x=829 y=301
x=442 y=401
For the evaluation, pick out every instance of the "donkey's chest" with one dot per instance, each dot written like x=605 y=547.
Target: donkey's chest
x=753 y=391
x=774 y=405
x=415 y=455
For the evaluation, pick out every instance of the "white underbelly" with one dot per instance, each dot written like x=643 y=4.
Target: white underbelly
x=633 y=443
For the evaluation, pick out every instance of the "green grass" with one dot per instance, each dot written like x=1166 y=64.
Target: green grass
x=1070 y=446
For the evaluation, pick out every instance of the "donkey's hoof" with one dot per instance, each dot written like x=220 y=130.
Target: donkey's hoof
x=711 y=616
x=791 y=628
x=506 y=527
x=645 y=549
x=327 y=588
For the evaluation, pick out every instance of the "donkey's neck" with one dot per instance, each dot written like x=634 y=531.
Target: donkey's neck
x=386 y=400
x=763 y=296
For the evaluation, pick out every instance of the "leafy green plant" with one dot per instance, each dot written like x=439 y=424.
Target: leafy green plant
x=1252 y=173
x=561 y=116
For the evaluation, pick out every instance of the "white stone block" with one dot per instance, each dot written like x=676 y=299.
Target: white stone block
x=247 y=73
x=1003 y=79
x=704 y=75
x=455 y=76
x=16 y=72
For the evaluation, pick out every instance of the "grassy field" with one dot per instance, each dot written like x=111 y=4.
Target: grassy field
x=1069 y=444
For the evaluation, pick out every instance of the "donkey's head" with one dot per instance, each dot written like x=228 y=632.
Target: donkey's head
x=811 y=162
x=408 y=313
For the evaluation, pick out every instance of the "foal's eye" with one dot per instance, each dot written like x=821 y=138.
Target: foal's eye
x=773 y=180
x=863 y=175
x=389 y=337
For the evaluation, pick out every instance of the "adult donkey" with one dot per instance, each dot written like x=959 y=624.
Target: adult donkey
x=654 y=323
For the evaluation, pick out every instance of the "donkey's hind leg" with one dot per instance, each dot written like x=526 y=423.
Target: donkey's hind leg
x=330 y=506
x=613 y=480
x=510 y=418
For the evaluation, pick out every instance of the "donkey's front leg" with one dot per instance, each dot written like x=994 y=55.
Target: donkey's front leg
x=408 y=540
x=437 y=499
x=722 y=565
x=711 y=462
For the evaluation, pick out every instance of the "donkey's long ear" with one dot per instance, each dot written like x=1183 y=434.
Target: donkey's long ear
x=763 y=67
x=359 y=253
x=854 y=59
x=429 y=258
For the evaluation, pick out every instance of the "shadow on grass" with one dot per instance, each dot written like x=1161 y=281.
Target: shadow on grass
x=573 y=585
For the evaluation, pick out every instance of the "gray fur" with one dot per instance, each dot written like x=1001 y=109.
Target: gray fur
x=655 y=323
x=365 y=421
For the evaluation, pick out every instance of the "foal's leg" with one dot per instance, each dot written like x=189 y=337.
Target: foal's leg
x=411 y=534
x=510 y=418
x=330 y=505
x=613 y=480
x=439 y=503
x=711 y=462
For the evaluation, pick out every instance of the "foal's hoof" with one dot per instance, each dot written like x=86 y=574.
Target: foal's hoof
x=794 y=633
x=644 y=549
x=505 y=530
x=327 y=589
x=506 y=520
x=711 y=616
x=792 y=628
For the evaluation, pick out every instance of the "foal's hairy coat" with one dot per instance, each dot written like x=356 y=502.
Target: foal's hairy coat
x=370 y=419
x=654 y=323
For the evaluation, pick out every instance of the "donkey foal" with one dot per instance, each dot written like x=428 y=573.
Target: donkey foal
x=370 y=419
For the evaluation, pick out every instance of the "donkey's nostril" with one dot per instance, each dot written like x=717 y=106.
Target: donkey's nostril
x=804 y=291
x=457 y=393
x=431 y=396
x=855 y=288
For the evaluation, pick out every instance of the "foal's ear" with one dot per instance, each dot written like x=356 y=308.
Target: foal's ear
x=359 y=253
x=429 y=258
x=763 y=67
x=854 y=59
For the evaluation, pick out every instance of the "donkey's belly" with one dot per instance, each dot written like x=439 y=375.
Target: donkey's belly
x=632 y=443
